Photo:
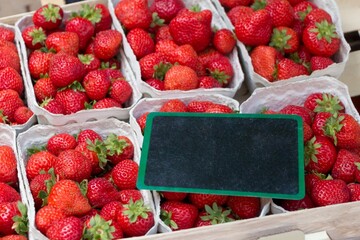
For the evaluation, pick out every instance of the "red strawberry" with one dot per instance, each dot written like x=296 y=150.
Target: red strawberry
x=53 y=106
x=100 y=192
x=14 y=237
x=9 y=58
x=72 y=165
x=39 y=161
x=307 y=131
x=66 y=195
x=107 y=44
x=118 y=148
x=39 y=184
x=317 y=15
x=213 y=215
x=192 y=27
x=111 y=210
x=13 y=214
x=71 y=100
x=178 y=215
x=8 y=171
x=324 y=102
x=284 y=39
x=318 y=125
x=43 y=88
x=184 y=55
x=301 y=56
x=129 y=194
x=344 y=167
x=11 y=79
x=140 y=42
x=135 y=218
x=244 y=207
x=88 y=134
x=173 y=105
x=288 y=69
x=310 y=180
x=90 y=62
x=173 y=196
x=34 y=37
x=294 y=205
x=304 y=113
x=125 y=174
x=318 y=63
x=219 y=108
x=222 y=70
x=166 y=9
x=328 y=192
x=354 y=191
x=156 y=83
x=199 y=106
x=9 y=102
x=254 y=29
x=165 y=47
x=106 y=103
x=83 y=28
x=263 y=59
x=153 y=66
x=7 y=44
x=105 y=21
x=47 y=216
x=236 y=14
x=60 y=142
x=95 y=153
x=8 y=193
x=64 y=69
x=180 y=78
x=163 y=33
x=120 y=90
x=39 y=63
x=208 y=82
x=133 y=14
x=281 y=12
x=96 y=84
x=67 y=228
x=97 y=227
x=200 y=200
x=302 y=9
x=320 y=155
x=7 y=34
x=48 y=17
x=224 y=41
x=22 y=115
x=229 y=4
x=67 y=42
x=142 y=121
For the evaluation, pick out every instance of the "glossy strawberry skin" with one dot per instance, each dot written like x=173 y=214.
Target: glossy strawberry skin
x=180 y=78
x=349 y=135
x=288 y=69
x=107 y=44
x=22 y=115
x=34 y=37
x=199 y=106
x=244 y=207
x=9 y=58
x=183 y=214
x=200 y=200
x=67 y=42
x=53 y=106
x=318 y=63
x=222 y=70
x=328 y=192
x=123 y=152
x=60 y=142
x=133 y=14
x=38 y=184
x=101 y=192
x=304 y=113
x=127 y=194
x=106 y=20
x=354 y=191
x=97 y=84
x=88 y=134
x=236 y=14
x=167 y=10
x=43 y=88
x=7 y=34
x=317 y=15
x=125 y=174
x=39 y=63
x=71 y=100
x=148 y=64
x=224 y=41
x=294 y=205
x=319 y=122
x=281 y=12
x=9 y=102
x=11 y=79
x=121 y=91
x=7 y=211
x=48 y=17
x=173 y=196
x=8 y=193
x=263 y=59
x=46 y=216
x=140 y=42
x=42 y=160
x=344 y=167
x=313 y=101
x=67 y=228
x=106 y=103
x=83 y=28
x=173 y=105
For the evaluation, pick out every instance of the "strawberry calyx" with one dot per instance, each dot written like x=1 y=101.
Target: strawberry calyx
x=161 y=69
x=325 y=30
x=134 y=210
x=106 y=65
x=220 y=76
x=49 y=184
x=311 y=151
x=45 y=102
x=357 y=164
x=51 y=13
x=156 y=20
x=76 y=86
x=90 y=105
x=99 y=148
x=114 y=145
x=302 y=14
x=279 y=39
x=259 y=4
x=328 y=103
x=98 y=228
x=166 y=218
x=83 y=185
x=216 y=214
x=333 y=126
x=86 y=58
x=195 y=8
x=90 y=13
x=21 y=223
x=3 y=118
x=38 y=35
x=35 y=149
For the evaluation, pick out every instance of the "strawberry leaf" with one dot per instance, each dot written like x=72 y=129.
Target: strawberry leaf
x=98 y=228
x=21 y=223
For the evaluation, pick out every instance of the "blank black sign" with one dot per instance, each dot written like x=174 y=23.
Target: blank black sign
x=231 y=154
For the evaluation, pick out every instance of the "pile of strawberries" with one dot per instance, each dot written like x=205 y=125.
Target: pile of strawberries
x=12 y=107
x=13 y=213
x=332 y=152
x=195 y=106
x=176 y=46
x=73 y=61
x=187 y=210
x=85 y=186
x=285 y=38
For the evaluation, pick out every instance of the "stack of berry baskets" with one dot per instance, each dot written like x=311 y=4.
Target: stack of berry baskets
x=273 y=49
x=14 y=89
x=331 y=138
x=194 y=103
x=101 y=197
x=92 y=101
x=12 y=189
x=183 y=64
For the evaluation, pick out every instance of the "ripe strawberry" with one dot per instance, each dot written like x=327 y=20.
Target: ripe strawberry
x=173 y=196
x=180 y=77
x=72 y=165
x=39 y=184
x=53 y=106
x=344 y=167
x=96 y=84
x=328 y=192
x=13 y=218
x=67 y=228
x=208 y=82
x=106 y=103
x=107 y=44
x=324 y=102
x=34 y=37
x=88 y=134
x=14 y=237
x=178 y=215
x=321 y=38
x=111 y=210
x=39 y=63
x=7 y=44
x=263 y=59
x=302 y=9
x=118 y=148
x=163 y=33
x=320 y=155
x=288 y=69
x=66 y=195
x=9 y=58
x=100 y=192
x=95 y=153
x=199 y=106
x=105 y=21
x=192 y=27
x=67 y=42
x=306 y=114
x=184 y=55
x=244 y=207
x=83 y=28
x=284 y=39
x=156 y=83
x=90 y=62
x=167 y=10
x=71 y=100
x=133 y=14
x=11 y=79
x=173 y=105
x=135 y=218
x=318 y=63
x=354 y=191
x=200 y=200
x=8 y=170
x=307 y=132
x=213 y=215
x=120 y=90
x=219 y=108
x=97 y=227
x=222 y=70
x=39 y=161
x=49 y=16
x=236 y=14
x=224 y=41
x=301 y=56
x=7 y=34
x=8 y=193
x=229 y=4
x=46 y=216
x=140 y=42
x=60 y=142
x=152 y=65
x=22 y=115
x=310 y=179
x=316 y=16
x=86 y=218
x=129 y=194
x=9 y=102
x=318 y=125
x=165 y=47
x=142 y=121
x=43 y=88
x=125 y=173
x=294 y=205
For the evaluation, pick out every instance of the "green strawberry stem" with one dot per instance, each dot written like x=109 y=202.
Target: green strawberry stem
x=90 y=13
x=357 y=164
x=51 y=13
x=38 y=36
x=161 y=69
x=216 y=214
x=76 y=85
x=83 y=185
x=195 y=8
x=100 y=149
x=166 y=218
x=156 y=20
x=220 y=76
x=106 y=65
x=333 y=126
x=35 y=149
x=21 y=223
x=134 y=210
x=259 y=4
x=3 y=118
x=86 y=58
x=98 y=229
x=325 y=30
x=311 y=151
x=329 y=103
x=114 y=146
x=49 y=184
x=279 y=40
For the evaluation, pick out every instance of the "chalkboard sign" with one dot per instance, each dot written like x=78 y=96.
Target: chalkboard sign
x=232 y=154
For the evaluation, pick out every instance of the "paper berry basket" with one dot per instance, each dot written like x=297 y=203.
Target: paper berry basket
x=45 y=117
x=147 y=90
x=340 y=58
x=39 y=134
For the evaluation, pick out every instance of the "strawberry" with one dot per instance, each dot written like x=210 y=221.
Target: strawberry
x=192 y=27
x=301 y=56
x=306 y=114
x=9 y=58
x=39 y=63
x=90 y=62
x=302 y=9
x=184 y=55
x=111 y=210
x=7 y=34
x=318 y=63
x=200 y=200
x=49 y=16
x=8 y=170
x=66 y=195
x=71 y=100
x=43 y=89
x=180 y=77
x=13 y=218
x=317 y=15
x=8 y=193
x=321 y=38
x=53 y=106
x=67 y=42
x=135 y=218
x=60 y=142
x=163 y=33
x=222 y=70
x=14 y=237
x=105 y=21
x=133 y=14
x=34 y=37
x=156 y=83
x=107 y=44
x=328 y=192
x=213 y=215
x=22 y=115
x=88 y=134
x=236 y=14
x=68 y=228
x=72 y=165
x=125 y=174
x=140 y=42
x=208 y=82
x=11 y=79
x=354 y=191
x=244 y=207
x=219 y=108
x=199 y=106
x=281 y=12
x=324 y=102
x=95 y=153
x=344 y=167
x=224 y=41
x=106 y=103
x=173 y=105
x=284 y=39
x=310 y=180
x=46 y=216
x=320 y=155
x=166 y=9
x=37 y=185
x=173 y=196
x=39 y=161
x=97 y=227
x=152 y=65
x=86 y=218
x=288 y=69
x=178 y=215
x=100 y=192
x=294 y=205
x=64 y=69
x=9 y=102
x=307 y=132
x=263 y=59
x=129 y=194
x=96 y=84
x=7 y=44
x=229 y=4
x=83 y=28
x=165 y=47
x=120 y=90
x=118 y=148
x=318 y=125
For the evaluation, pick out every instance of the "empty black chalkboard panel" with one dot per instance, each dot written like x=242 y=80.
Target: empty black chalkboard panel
x=233 y=154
